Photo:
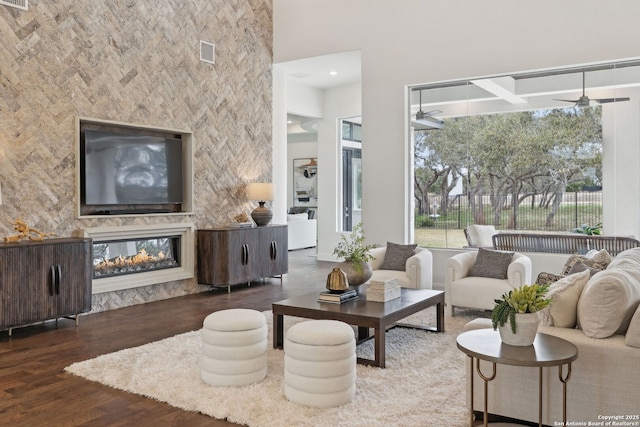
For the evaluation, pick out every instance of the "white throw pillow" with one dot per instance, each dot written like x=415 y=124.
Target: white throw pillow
x=632 y=337
x=607 y=302
x=297 y=217
x=565 y=293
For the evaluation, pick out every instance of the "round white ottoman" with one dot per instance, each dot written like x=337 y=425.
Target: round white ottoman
x=234 y=347
x=320 y=363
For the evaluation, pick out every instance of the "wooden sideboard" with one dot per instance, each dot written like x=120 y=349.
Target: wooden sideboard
x=228 y=256
x=44 y=280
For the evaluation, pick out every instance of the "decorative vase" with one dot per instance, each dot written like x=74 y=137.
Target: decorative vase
x=357 y=273
x=337 y=280
x=526 y=329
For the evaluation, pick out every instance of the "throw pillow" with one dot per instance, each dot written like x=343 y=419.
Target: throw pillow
x=565 y=293
x=598 y=262
x=548 y=278
x=581 y=266
x=599 y=255
x=492 y=264
x=396 y=256
x=632 y=337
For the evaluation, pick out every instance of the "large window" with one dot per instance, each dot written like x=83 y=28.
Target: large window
x=520 y=152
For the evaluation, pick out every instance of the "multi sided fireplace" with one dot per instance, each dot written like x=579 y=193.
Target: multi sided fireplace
x=133 y=256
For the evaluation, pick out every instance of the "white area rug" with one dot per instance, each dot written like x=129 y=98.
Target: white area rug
x=422 y=385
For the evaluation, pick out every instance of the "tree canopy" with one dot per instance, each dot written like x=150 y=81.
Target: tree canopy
x=509 y=158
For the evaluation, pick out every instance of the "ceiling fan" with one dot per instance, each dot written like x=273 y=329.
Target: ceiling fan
x=426 y=121
x=584 y=100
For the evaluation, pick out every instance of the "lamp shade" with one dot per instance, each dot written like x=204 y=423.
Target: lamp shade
x=260 y=191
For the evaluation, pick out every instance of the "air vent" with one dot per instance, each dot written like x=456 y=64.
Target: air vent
x=18 y=4
x=207 y=52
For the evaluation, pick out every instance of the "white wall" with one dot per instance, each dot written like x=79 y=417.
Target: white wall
x=339 y=103
x=620 y=160
x=279 y=135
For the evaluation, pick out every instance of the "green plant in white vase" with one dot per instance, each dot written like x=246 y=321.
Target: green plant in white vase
x=519 y=307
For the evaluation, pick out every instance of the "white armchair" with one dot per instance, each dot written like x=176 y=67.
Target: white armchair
x=418 y=269
x=462 y=290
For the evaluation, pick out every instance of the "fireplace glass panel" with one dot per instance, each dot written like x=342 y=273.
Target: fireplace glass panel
x=130 y=256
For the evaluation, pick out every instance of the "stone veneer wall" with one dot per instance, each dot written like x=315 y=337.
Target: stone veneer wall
x=133 y=61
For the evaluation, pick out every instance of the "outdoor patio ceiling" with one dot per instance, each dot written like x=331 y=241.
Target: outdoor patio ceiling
x=527 y=90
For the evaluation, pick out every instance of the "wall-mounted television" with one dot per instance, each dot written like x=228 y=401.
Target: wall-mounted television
x=131 y=170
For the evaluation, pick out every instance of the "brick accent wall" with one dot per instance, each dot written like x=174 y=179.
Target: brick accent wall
x=132 y=61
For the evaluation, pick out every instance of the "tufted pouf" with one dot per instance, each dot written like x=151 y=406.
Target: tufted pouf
x=320 y=363
x=234 y=347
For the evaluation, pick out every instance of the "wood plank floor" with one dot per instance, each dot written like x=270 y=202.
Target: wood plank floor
x=34 y=390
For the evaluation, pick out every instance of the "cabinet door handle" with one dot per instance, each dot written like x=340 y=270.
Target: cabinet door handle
x=274 y=250
x=58 y=278
x=52 y=279
x=245 y=254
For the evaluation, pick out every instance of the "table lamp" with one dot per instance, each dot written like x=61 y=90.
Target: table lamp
x=261 y=191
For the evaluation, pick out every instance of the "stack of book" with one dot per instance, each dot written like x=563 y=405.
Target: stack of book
x=383 y=291
x=240 y=224
x=338 y=297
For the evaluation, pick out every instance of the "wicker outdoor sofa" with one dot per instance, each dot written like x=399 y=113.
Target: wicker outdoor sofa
x=561 y=243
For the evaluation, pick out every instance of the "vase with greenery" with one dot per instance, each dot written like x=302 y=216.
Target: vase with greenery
x=356 y=256
x=519 y=307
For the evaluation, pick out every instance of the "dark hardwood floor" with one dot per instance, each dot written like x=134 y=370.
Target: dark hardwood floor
x=34 y=390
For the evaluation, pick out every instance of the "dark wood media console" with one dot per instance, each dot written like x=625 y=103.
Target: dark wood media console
x=228 y=256
x=44 y=280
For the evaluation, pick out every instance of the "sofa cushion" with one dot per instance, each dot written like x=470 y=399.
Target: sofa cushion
x=396 y=256
x=608 y=301
x=632 y=337
x=492 y=264
x=565 y=294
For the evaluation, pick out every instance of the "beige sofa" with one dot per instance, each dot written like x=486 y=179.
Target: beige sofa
x=605 y=378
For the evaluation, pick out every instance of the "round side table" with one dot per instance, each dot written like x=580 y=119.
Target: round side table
x=547 y=350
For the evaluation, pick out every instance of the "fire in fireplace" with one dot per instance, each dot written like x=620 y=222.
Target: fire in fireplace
x=130 y=256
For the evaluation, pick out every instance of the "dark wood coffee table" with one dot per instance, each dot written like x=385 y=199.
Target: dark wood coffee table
x=362 y=313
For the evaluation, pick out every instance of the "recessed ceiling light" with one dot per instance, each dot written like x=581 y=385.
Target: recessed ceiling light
x=333 y=73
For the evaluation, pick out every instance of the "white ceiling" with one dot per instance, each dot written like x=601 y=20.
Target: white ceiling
x=320 y=72
x=497 y=94
x=315 y=72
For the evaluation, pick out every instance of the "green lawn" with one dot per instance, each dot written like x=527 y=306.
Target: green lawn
x=438 y=238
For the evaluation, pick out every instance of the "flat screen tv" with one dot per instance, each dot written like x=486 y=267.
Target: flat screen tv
x=130 y=172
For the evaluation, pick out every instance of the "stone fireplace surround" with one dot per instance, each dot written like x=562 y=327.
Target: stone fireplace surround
x=186 y=232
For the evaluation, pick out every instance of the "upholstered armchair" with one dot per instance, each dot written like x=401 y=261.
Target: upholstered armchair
x=462 y=289
x=415 y=272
